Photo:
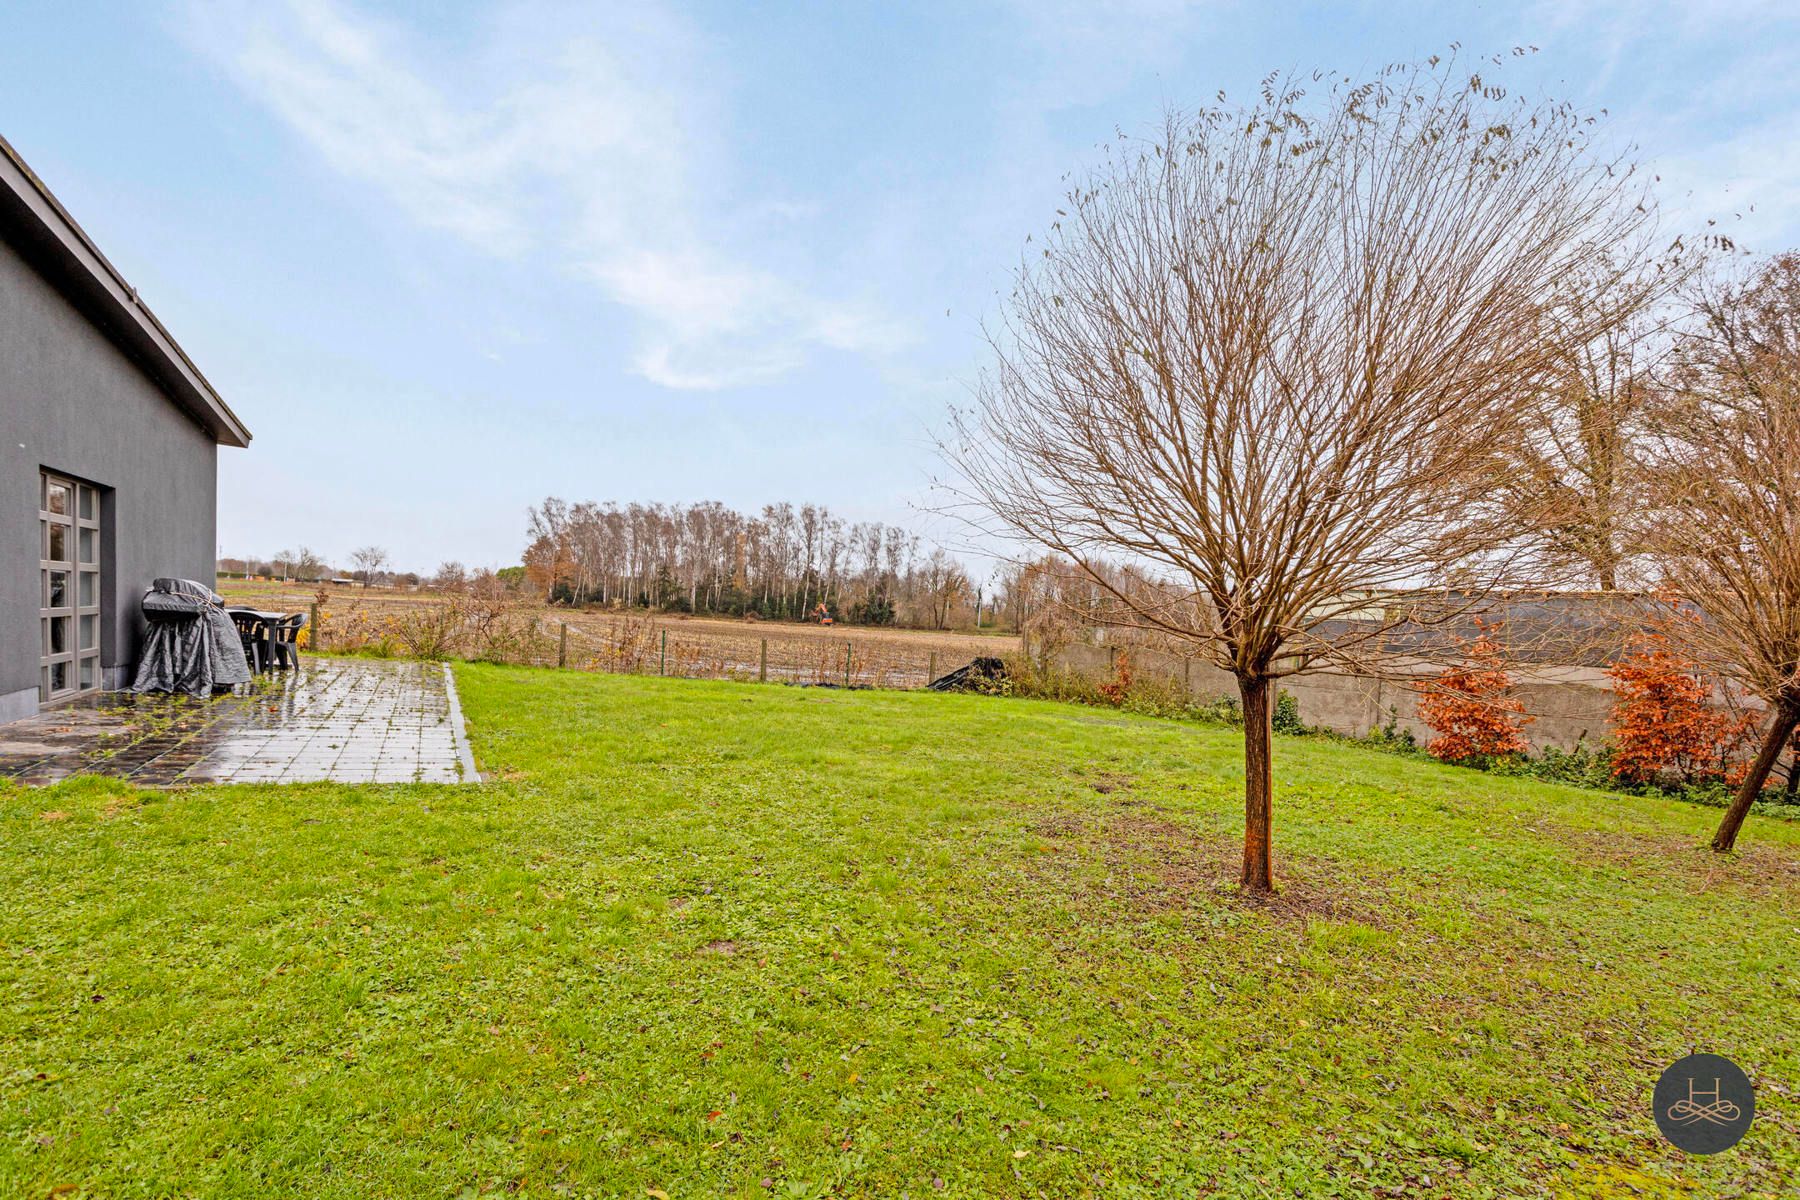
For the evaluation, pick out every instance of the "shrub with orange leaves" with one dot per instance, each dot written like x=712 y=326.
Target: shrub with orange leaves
x=1116 y=691
x=1468 y=708
x=1664 y=724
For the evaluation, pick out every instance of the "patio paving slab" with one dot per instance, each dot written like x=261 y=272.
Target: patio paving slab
x=343 y=720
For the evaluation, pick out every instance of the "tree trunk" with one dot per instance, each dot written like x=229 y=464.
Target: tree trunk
x=1258 y=782
x=1786 y=718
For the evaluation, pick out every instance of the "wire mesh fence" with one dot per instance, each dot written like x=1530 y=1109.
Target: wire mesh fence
x=645 y=647
x=641 y=643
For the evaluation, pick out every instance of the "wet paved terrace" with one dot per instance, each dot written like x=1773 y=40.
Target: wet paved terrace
x=339 y=719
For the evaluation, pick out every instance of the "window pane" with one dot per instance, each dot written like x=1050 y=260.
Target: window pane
x=59 y=677
x=90 y=632
x=90 y=589
x=59 y=590
x=57 y=498
x=90 y=545
x=59 y=543
x=87 y=503
x=90 y=672
x=59 y=635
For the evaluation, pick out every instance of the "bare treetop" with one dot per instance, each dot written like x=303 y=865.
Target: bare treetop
x=1277 y=354
x=1575 y=479
x=1726 y=530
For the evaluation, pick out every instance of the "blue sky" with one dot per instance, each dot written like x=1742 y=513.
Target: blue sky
x=448 y=258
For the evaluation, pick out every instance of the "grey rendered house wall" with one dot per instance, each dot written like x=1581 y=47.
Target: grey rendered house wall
x=72 y=402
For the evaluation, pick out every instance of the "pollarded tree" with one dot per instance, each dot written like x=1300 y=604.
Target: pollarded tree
x=1270 y=361
x=1726 y=477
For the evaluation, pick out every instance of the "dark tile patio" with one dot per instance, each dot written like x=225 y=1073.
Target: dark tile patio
x=340 y=719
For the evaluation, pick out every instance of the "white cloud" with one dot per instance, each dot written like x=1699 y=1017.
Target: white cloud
x=1705 y=92
x=575 y=139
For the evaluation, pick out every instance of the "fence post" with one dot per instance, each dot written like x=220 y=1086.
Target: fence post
x=562 y=646
x=312 y=623
x=931 y=669
x=847 y=646
x=762 y=667
x=662 y=665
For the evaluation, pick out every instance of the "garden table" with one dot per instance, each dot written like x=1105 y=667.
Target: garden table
x=260 y=627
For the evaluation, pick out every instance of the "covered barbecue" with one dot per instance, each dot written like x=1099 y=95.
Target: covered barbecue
x=191 y=644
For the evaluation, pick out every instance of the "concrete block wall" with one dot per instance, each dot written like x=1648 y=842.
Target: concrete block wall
x=1568 y=704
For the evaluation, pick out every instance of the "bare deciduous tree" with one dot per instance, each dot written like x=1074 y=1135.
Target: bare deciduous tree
x=451 y=576
x=1258 y=381
x=308 y=566
x=369 y=561
x=1573 y=478
x=1726 y=473
x=943 y=582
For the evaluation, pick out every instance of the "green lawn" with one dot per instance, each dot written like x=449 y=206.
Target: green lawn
x=707 y=938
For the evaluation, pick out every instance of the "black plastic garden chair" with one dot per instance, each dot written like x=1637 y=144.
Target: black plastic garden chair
x=284 y=640
x=251 y=634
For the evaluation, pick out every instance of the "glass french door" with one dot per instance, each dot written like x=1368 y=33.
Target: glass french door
x=69 y=609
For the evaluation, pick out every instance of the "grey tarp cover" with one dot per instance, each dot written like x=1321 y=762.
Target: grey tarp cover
x=191 y=645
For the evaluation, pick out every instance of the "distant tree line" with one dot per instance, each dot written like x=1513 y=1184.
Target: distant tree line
x=785 y=563
x=306 y=566
x=303 y=565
